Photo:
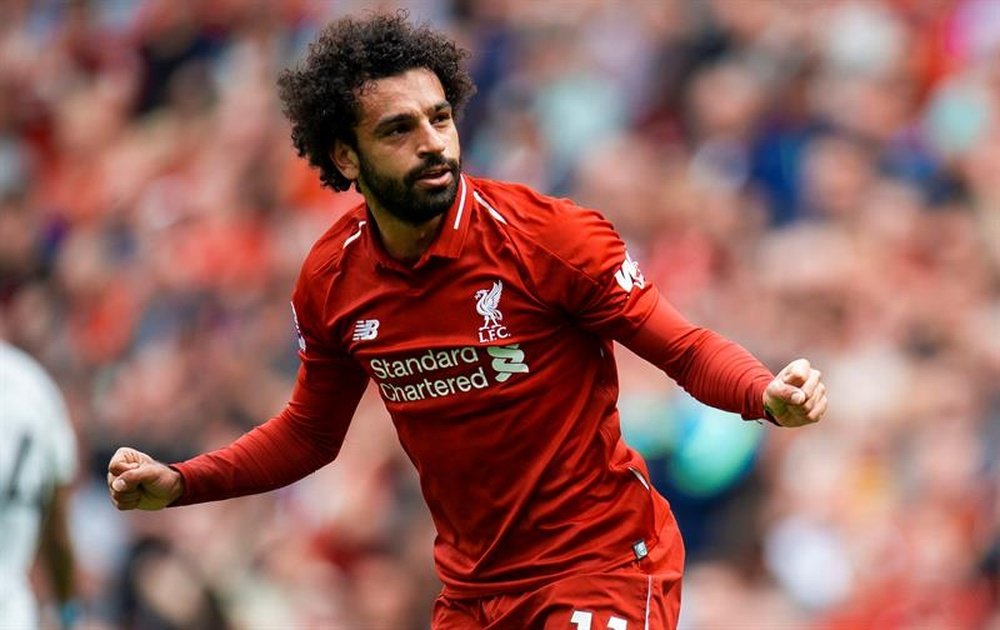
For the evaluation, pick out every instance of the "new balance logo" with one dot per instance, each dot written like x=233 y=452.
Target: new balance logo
x=507 y=360
x=629 y=275
x=365 y=330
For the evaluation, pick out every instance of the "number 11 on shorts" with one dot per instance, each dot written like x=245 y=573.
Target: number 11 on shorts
x=583 y=620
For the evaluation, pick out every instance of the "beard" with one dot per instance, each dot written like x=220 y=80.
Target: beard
x=401 y=197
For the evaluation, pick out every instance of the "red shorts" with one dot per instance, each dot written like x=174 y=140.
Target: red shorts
x=641 y=595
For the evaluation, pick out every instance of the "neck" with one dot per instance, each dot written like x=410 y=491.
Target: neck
x=404 y=241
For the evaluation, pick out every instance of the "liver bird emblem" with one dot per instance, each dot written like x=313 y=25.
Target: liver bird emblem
x=487 y=303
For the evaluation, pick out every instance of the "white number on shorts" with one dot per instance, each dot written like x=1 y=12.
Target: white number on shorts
x=583 y=619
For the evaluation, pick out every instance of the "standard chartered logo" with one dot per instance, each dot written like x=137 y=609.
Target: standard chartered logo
x=417 y=377
x=507 y=360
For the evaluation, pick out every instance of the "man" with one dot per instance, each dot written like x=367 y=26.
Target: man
x=485 y=315
x=37 y=464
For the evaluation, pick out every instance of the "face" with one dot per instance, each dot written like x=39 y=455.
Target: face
x=407 y=156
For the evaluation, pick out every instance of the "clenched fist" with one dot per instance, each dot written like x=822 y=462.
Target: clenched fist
x=796 y=396
x=137 y=481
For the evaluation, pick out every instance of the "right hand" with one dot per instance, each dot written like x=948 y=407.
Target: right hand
x=137 y=481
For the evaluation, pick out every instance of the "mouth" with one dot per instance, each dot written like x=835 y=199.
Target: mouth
x=436 y=176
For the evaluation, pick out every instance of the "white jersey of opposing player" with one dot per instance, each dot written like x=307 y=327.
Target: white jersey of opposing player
x=37 y=453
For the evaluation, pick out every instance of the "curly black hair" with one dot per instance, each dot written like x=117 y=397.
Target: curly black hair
x=320 y=96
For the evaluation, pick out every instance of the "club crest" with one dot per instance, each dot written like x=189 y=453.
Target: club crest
x=488 y=306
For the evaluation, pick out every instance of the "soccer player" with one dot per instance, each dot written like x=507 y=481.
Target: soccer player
x=484 y=314
x=37 y=464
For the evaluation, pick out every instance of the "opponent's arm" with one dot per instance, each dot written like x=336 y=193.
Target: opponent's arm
x=56 y=550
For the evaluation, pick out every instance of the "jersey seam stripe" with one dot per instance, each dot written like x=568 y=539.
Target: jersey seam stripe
x=496 y=215
x=461 y=205
x=355 y=236
x=638 y=475
x=649 y=594
x=542 y=246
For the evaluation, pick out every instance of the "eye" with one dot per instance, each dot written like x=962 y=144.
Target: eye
x=395 y=129
x=442 y=118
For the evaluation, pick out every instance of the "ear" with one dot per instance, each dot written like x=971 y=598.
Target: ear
x=345 y=158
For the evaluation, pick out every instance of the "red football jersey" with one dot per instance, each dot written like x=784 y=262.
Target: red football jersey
x=494 y=357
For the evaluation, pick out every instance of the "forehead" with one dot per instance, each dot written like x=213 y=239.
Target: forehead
x=413 y=91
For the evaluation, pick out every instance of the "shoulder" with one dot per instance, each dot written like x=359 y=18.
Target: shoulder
x=29 y=393
x=330 y=249
x=524 y=207
x=579 y=236
x=20 y=373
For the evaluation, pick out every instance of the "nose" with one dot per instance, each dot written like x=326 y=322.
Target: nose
x=432 y=140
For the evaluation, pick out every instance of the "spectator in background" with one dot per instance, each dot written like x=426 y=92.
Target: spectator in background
x=154 y=570
x=37 y=465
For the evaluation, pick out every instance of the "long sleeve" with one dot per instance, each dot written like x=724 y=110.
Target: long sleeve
x=579 y=264
x=304 y=437
x=713 y=369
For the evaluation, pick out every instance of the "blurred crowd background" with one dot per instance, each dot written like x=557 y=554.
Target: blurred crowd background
x=812 y=178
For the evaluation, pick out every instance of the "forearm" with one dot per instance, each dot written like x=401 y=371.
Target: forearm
x=721 y=373
x=57 y=549
x=713 y=369
x=270 y=456
x=305 y=436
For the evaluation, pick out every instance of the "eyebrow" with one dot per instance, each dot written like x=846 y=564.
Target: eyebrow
x=389 y=121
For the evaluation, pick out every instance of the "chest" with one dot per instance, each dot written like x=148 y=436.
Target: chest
x=479 y=302
x=473 y=332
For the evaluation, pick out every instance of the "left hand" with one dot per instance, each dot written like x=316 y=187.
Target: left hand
x=796 y=396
